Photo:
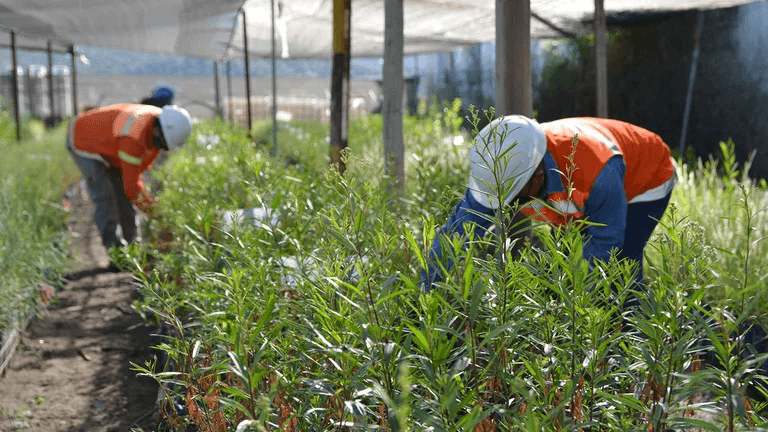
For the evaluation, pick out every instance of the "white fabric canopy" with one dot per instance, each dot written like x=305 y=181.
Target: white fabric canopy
x=198 y=28
x=212 y=29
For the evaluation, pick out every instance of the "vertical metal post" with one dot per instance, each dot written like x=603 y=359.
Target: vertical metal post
x=691 y=79
x=29 y=96
x=230 y=116
x=392 y=110
x=74 y=80
x=247 y=71
x=450 y=76
x=417 y=73
x=52 y=114
x=601 y=62
x=274 y=86
x=15 y=86
x=217 y=94
x=342 y=11
x=514 y=90
x=481 y=69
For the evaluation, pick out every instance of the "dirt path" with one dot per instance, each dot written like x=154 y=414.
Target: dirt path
x=71 y=370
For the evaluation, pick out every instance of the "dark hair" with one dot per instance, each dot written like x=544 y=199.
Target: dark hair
x=160 y=141
x=155 y=101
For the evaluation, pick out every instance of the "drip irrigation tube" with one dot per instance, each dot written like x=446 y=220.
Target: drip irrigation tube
x=10 y=341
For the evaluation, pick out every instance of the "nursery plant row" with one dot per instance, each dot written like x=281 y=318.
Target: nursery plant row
x=291 y=297
x=34 y=244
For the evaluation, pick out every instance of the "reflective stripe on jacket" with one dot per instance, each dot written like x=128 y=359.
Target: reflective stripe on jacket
x=649 y=171
x=121 y=136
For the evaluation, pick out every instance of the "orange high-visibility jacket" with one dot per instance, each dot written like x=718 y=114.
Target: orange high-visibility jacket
x=121 y=136
x=649 y=167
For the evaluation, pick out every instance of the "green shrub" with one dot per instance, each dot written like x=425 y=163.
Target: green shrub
x=31 y=129
x=315 y=318
x=34 y=246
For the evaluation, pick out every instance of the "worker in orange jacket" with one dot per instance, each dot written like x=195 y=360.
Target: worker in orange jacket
x=113 y=146
x=618 y=175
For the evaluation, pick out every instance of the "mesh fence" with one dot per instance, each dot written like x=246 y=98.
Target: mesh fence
x=288 y=108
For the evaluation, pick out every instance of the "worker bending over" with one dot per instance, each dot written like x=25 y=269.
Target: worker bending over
x=621 y=178
x=113 y=146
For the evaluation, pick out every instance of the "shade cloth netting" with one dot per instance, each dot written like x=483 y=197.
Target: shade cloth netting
x=212 y=29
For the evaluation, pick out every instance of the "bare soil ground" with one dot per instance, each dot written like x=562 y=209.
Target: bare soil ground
x=72 y=368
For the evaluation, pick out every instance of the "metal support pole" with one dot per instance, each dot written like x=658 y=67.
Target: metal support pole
x=15 y=86
x=601 y=61
x=216 y=88
x=691 y=79
x=342 y=11
x=417 y=73
x=52 y=114
x=392 y=109
x=228 y=69
x=230 y=116
x=514 y=91
x=480 y=71
x=247 y=71
x=274 y=86
x=74 y=80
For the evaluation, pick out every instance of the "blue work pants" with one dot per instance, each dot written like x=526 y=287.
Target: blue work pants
x=642 y=218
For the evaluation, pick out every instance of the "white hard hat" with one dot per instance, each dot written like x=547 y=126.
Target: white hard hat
x=176 y=125
x=503 y=157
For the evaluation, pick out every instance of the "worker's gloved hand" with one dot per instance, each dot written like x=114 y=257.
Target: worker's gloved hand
x=427 y=279
x=150 y=211
x=425 y=287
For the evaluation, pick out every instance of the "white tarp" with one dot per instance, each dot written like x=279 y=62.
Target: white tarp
x=197 y=28
x=212 y=29
x=258 y=217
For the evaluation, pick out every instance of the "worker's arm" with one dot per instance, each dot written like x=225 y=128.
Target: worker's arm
x=131 y=168
x=607 y=206
x=468 y=210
